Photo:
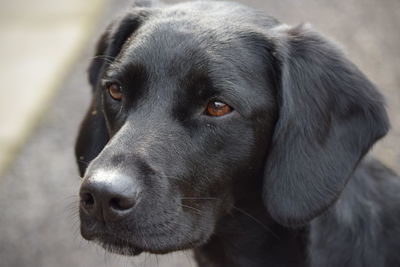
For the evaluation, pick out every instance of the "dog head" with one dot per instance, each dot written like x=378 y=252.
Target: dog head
x=190 y=101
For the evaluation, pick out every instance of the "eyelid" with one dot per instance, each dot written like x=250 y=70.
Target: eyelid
x=223 y=100
x=106 y=82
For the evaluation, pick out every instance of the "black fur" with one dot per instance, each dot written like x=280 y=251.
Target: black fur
x=280 y=181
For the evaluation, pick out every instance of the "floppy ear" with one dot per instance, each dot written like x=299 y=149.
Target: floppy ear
x=93 y=134
x=330 y=115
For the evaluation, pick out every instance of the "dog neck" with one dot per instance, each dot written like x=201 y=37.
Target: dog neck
x=250 y=237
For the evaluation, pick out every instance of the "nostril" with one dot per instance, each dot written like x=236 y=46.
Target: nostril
x=122 y=203
x=108 y=196
x=87 y=201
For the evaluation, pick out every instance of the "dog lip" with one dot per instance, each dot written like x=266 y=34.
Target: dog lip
x=99 y=234
x=88 y=235
x=116 y=245
x=112 y=243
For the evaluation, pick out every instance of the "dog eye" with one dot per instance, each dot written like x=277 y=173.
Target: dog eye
x=217 y=108
x=115 y=91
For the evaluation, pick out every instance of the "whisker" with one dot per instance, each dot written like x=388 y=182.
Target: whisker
x=84 y=162
x=198 y=211
x=257 y=221
x=179 y=179
x=188 y=257
x=146 y=258
x=108 y=59
x=199 y=198
x=103 y=57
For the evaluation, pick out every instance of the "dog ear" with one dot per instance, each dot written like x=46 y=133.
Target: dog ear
x=93 y=134
x=112 y=41
x=92 y=137
x=330 y=115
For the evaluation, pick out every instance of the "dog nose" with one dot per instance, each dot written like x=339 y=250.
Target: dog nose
x=108 y=197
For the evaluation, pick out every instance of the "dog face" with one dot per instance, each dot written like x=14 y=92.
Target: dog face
x=194 y=101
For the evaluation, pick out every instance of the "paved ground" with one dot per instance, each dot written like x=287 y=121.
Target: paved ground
x=40 y=40
x=38 y=223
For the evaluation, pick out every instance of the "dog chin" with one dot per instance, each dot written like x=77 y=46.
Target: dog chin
x=120 y=248
x=132 y=244
x=127 y=248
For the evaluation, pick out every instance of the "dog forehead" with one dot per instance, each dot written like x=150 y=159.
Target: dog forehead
x=177 y=46
x=170 y=45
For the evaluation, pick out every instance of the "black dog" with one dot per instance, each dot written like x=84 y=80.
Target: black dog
x=217 y=128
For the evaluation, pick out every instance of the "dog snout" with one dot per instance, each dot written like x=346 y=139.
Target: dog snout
x=108 y=196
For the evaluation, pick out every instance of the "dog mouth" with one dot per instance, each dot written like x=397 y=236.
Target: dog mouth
x=117 y=245
x=126 y=247
x=134 y=242
x=130 y=237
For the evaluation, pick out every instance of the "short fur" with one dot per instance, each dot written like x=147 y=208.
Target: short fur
x=280 y=181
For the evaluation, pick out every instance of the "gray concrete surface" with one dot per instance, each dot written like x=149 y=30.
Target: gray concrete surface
x=40 y=40
x=38 y=195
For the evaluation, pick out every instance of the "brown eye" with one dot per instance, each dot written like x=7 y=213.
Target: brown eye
x=115 y=91
x=217 y=108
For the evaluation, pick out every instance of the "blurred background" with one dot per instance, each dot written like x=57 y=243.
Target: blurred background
x=45 y=48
